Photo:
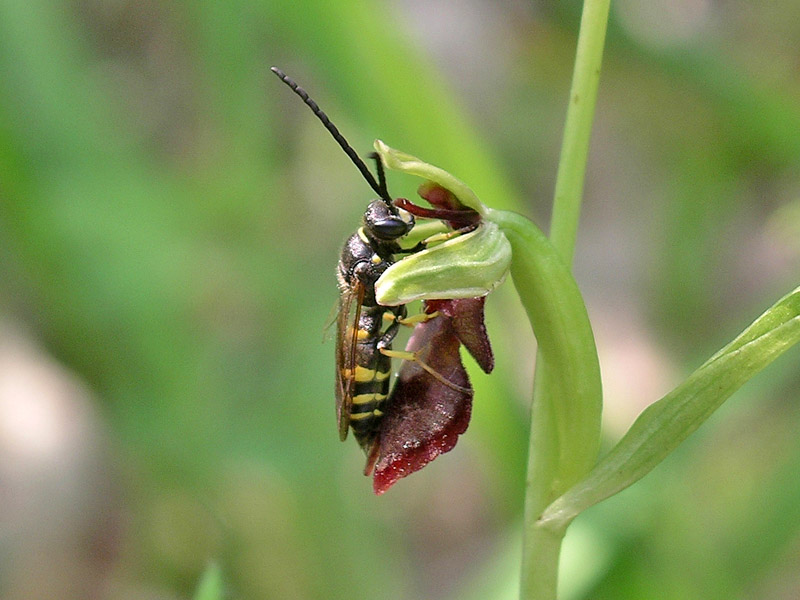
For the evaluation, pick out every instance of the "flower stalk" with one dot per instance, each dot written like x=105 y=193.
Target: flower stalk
x=565 y=431
x=551 y=469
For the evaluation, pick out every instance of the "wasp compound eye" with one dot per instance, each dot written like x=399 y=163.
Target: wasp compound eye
x=383 y=223
x=390 y=229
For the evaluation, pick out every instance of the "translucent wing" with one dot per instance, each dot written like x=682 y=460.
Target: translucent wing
x=346 y=331
x=333 y=316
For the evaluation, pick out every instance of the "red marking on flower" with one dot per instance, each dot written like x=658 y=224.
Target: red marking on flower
x=440 y=197
x=447 y=207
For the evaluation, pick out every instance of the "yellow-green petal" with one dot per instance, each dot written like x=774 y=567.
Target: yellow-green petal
x=467 y=266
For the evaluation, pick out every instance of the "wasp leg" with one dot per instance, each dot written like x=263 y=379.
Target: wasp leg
x=437 y=238
x=419 y=318
x=396 y=315
x=416 y=248
x=411 y=321
x=447 y=235
x=372 y=457
x=414 y=356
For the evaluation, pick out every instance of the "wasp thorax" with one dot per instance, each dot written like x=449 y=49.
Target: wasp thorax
x=385 y=222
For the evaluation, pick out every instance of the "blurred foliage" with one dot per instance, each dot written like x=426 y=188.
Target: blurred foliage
x=171 y=216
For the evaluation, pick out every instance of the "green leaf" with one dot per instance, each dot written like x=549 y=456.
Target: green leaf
x=666 y=423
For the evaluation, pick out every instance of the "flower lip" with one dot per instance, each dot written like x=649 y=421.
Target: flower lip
x=424 y=416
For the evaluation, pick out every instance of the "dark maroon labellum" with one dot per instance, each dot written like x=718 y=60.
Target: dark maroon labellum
x=426 y=413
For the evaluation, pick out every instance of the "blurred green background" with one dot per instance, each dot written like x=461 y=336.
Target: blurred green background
x=170 y=218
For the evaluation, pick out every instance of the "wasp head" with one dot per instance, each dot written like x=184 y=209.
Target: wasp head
x=385 y=222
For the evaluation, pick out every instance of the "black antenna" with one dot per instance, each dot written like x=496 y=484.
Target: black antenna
x=384 y=193
x=380 y=188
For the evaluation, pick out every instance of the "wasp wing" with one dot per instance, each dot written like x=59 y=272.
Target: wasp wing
x=350 y=301
x=333 y=316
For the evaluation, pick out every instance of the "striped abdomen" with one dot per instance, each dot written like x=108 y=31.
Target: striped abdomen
x=372 y=376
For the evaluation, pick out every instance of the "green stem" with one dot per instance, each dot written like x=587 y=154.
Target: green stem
x=553 y=464
x=540 y=579
x=566 y=421
x=578 y=127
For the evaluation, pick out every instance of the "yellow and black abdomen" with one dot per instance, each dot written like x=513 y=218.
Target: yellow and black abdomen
x=371 y=378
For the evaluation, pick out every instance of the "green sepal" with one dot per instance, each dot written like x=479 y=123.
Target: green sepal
x=400 y=161
x=467 y=266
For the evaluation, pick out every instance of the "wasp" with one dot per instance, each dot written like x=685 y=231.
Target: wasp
x=364 y=340
x=365 y=329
